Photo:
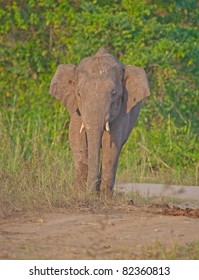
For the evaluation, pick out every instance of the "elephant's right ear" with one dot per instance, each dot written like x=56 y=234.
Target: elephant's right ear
x=62 y=86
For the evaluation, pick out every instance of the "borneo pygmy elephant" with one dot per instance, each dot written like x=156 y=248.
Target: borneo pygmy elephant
x=103 y=98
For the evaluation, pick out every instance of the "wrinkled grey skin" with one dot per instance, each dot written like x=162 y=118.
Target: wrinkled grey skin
x=103 y=98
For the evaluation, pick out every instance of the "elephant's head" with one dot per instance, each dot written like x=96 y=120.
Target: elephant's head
x=98 y=89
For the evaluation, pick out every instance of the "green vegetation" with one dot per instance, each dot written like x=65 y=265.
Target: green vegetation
x=37 y=35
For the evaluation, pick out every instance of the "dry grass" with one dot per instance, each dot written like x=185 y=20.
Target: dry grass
x=162 y=176
x=36 y=174
x=45 y=182
x=158 y=251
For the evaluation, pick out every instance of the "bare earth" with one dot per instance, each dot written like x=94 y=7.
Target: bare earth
x=107 y=233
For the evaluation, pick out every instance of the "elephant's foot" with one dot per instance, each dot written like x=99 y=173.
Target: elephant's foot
x=80 y=179
x=105 y=192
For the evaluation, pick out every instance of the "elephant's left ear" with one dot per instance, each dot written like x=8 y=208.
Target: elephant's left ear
x=136 y=85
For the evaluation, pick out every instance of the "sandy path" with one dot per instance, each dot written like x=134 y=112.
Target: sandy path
x=116 y=233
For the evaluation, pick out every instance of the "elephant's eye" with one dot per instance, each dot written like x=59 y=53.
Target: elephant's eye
x=78 y=93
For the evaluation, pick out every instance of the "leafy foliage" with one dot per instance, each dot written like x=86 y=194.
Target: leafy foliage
x=160 y=36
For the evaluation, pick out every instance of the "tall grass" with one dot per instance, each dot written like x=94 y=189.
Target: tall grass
x=33 y=172
x=36 y=168
x=161 y=154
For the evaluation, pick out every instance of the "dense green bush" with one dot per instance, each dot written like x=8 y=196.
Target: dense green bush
x=160 y=36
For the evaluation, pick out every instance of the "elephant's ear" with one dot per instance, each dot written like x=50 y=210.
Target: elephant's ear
x=136 y=85
x=62 y=86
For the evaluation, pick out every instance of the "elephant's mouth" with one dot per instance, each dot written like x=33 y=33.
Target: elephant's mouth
x=106 y=127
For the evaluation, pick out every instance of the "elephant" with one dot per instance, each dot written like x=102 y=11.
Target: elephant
x=103 y=98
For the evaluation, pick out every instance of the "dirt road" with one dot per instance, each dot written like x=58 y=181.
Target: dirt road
x=108 y=233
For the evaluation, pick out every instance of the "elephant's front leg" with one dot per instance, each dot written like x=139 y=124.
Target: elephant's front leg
x=110 y=155
x=78 y=144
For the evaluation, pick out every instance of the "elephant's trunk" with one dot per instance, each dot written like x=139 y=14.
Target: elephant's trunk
x=95 y=120
x=94 y=137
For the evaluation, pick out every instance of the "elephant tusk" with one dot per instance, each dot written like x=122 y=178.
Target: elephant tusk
x=81 y=128
x=107 y=127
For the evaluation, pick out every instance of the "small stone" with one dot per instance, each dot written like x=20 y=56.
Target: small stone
x=40 y=220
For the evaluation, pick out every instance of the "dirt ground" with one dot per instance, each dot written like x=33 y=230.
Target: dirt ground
x=108 y=233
